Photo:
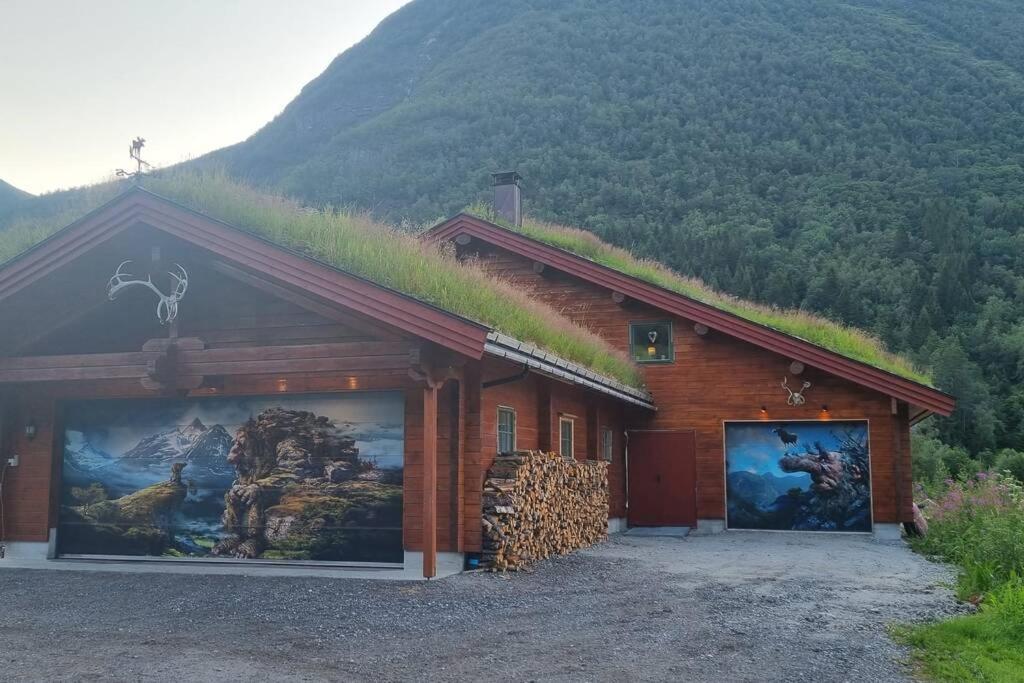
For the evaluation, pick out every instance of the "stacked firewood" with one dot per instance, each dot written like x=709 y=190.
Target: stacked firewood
x=538 y=504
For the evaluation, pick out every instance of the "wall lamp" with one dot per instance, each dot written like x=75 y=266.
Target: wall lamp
x=31 y=430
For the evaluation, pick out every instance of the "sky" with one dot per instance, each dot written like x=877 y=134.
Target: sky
x=80 y=79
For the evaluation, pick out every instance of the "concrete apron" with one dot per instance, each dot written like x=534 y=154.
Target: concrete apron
x=448 y=564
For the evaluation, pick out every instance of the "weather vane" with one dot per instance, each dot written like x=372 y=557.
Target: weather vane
x=135 y=152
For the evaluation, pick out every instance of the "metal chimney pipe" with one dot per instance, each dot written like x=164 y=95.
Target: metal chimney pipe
x=508 y=200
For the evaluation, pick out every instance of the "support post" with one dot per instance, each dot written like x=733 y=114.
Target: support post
x=430 y=480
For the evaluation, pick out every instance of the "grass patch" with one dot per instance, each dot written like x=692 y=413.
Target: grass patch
x=977 y=523
x=357 y=244
x=986 y=646
x=847 y=341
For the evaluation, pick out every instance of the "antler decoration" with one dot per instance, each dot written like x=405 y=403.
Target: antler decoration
x=167 y=307
x=796 y=398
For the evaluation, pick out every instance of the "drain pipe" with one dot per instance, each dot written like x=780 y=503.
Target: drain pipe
x=507 y=380
x=625 y=473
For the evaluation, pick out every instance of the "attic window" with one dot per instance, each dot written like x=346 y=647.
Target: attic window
x=651 y=342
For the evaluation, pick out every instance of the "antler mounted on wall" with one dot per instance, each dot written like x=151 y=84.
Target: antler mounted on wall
x=167 y=307
x=795 y=398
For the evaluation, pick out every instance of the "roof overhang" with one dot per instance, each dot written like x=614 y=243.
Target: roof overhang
x=248 y=251
x=538 y=360
x=914 y=393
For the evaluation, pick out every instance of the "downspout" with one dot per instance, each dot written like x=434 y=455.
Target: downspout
x=625 y=467
x=507 y=380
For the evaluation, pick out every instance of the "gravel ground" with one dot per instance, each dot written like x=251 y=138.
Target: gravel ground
x=732 y=607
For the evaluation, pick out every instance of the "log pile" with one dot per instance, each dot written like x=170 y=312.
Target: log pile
x=538 y=504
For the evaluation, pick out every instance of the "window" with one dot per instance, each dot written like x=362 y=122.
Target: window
x=506 y=429
x=607 y=443
x=651 y=342
x=565 y=440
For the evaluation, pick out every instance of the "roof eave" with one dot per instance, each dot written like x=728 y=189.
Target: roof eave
x=511 y=349
x=766 y=337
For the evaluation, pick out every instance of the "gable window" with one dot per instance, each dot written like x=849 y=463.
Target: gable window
x=607 y=443
x=651 y=342
x=506 y=429
x=566 y=426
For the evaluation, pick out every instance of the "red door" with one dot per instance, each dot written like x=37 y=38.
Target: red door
x=662 y=479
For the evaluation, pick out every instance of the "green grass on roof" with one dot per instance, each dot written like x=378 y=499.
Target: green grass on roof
x=357 y=244
x=847 y=341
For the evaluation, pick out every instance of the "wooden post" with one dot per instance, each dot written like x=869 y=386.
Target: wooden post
x=430 y=480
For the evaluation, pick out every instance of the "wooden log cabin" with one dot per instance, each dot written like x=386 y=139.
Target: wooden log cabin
x=716 y=377
x=294 y=411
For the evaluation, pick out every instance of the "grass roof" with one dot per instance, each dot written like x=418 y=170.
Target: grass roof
x=355 y=243
x=836 y=337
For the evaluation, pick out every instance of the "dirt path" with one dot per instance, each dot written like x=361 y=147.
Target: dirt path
x=734 y=607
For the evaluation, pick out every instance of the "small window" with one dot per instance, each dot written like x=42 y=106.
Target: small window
x=565 y=433
x=651 y=342
x=607 y=443
x=506 y=430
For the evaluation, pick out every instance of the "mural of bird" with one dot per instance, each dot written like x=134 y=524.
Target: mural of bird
x=787 y=438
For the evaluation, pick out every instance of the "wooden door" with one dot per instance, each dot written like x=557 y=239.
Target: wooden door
x=662 y=478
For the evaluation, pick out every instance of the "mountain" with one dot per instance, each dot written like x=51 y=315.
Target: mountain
x=861 y=159
x=11 y=197
x=203 y=448
x=762 y=489
x=81 y=456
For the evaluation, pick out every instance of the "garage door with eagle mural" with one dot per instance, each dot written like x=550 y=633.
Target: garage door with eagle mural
x=801 y=476
x=298 y=477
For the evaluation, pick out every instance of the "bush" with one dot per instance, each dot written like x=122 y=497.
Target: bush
x=977 y=522
x=935 y=461
x=1008 y=460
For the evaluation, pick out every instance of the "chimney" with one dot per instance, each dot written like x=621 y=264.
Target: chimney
x=508 y=201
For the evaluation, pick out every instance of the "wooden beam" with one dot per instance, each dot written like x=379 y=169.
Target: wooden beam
x=364 y=358
x=430 y=480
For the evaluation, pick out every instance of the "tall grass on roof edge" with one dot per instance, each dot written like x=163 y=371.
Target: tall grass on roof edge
x=356 y=243
x=836 y=337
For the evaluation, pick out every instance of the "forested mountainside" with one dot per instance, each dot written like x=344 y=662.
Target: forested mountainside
x=10 y=197
x=862 y=159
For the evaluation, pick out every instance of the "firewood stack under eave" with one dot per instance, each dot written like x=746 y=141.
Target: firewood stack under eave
x=537 y=504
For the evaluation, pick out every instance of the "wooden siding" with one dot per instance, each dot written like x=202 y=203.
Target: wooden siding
x=717 y=378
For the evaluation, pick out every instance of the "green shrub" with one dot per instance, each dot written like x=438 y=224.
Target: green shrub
x=934 y=462
x=1009 y=460
x=977 y=522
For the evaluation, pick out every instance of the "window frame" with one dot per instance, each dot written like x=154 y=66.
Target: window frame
x=571 y=421
x=497 y=428
x=671 y=342
x=607 y=443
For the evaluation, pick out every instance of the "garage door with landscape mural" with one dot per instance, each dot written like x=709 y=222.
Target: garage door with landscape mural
x=801 y=476
x=303 y=477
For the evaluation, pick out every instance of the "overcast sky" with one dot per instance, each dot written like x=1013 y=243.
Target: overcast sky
x=80 y=78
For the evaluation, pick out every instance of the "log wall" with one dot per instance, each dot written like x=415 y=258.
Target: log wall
x=717 y=378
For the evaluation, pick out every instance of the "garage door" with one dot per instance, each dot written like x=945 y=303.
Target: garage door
x=798 y=475
x=294 y=478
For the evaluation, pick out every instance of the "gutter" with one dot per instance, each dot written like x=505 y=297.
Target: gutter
x=533 y=358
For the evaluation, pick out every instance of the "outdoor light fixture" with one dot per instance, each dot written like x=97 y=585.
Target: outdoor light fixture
x=282 y=385
x=31 y=430
x=764 y=411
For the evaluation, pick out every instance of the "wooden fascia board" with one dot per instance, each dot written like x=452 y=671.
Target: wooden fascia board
x=362 y=296
x=237 y=246
x=722 y=321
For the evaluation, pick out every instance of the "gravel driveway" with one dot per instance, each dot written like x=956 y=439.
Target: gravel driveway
x=732 y=607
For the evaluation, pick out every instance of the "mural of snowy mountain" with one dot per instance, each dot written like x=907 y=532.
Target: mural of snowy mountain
x=81 y=455
x=198 y=445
